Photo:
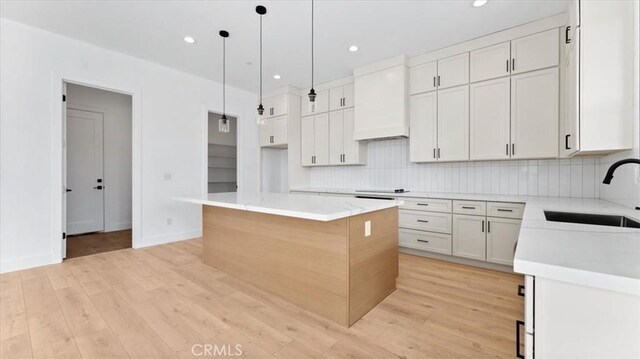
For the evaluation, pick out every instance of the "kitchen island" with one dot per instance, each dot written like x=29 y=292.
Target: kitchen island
x=336 y=257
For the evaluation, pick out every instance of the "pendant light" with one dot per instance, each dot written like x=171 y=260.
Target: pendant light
x=261 y=10
x=312 y=92
x=223 y=123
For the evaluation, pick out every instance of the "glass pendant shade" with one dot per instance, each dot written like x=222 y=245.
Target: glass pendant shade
x=223 y=124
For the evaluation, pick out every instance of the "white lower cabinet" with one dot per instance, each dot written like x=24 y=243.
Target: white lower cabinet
x=502 y=236
x=427 y=241
x=469 y=240
x=315 y=140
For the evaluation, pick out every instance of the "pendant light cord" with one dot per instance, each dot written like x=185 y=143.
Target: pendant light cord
x=261 y=59
x=224 y=76
x=312 y=61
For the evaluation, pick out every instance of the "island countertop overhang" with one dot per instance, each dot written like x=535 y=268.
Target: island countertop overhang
x=319 y=208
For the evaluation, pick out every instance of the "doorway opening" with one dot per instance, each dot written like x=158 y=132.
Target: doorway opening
x=97 y=170
x=222 y=154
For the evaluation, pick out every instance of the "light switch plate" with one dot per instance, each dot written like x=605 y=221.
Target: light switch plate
x=367 y=228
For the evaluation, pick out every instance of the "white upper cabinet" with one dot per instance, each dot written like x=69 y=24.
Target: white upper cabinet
x=423 y=78
x=343 y=149
x=280 y=133
x=381 y=100
x=315 y=140
x=266 y=133
x=599 y=78
x=424 y=131
x=535 y=51
x=490 y=119
x=453 y=71
x=275 y=106
x=534 y=114
x=341 y=97
x=321 y=104
x=453 y=124
x=490 y=62
x=336 y=137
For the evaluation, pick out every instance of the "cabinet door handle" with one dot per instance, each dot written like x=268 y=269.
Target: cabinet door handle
x=507 y=66
x=519 y=323
x=513 y=64
x=513 y=149
x=438 y=80
x=483 y=226
x=434 y=81
x=567 y=40
x=422 y=240
x=423 y=221
x=507 y=150
x=521 y=290
x=488 y=226
x=434 y=153
x=566 y=142
x=438 y=152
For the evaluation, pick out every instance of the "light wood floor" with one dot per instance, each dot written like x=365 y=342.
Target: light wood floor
x=158 y=302
x=99 y=242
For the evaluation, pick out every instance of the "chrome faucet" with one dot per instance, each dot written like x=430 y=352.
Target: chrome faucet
x=609 y=176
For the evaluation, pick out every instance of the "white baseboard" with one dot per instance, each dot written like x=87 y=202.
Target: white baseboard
x=168 y=238
x=112 y=227
x=16 y=264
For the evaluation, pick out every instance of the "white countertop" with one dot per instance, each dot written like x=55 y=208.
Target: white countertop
x=596 y=256
x=313 y=207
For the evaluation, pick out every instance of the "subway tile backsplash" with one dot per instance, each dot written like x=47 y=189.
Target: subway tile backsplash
x=389 y=167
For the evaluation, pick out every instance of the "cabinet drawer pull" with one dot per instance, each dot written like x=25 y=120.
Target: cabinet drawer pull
x=422 y=240
x=521 y=290
x=423 y=221
x=504 y=210
x=422 y=204
x=519 y=323
x=468 y=207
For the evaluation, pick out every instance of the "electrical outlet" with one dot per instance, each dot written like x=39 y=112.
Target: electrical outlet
x=367 y=228
x=169 y=221
x=168 y=176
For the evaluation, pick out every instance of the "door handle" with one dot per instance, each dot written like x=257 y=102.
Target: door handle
x=468 y=207
x=434 y=153
x=438 y=152
x=422 y=240
x=519 y=323
x=98 y=187
x=507 y=151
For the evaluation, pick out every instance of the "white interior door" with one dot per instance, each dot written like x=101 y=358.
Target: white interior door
x=85 y=157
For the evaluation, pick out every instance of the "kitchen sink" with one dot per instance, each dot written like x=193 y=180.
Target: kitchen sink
x=590 y=218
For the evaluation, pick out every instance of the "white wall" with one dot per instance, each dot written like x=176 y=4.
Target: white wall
x=625 y=186
x=173 y=109
x=116 y=108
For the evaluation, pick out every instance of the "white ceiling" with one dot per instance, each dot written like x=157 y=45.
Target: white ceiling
x=154 y=30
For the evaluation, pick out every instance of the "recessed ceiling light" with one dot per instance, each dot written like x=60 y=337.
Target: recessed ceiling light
x=353 y=48
x=478 y=3
x=189 y=40
x=277 y=77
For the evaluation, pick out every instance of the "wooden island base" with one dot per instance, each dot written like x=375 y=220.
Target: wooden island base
x=329 y=268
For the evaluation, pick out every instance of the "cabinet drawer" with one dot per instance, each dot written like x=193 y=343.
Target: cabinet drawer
x=433 y=205
x=427 y=241
x=506 y=210
x=425 y=221
x=470 y=207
